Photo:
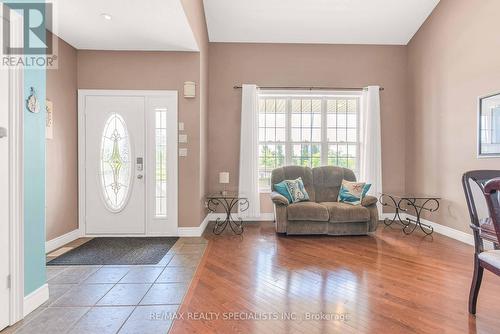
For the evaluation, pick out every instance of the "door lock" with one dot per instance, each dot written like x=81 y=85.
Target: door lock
x=140 y=176
x=3 y=132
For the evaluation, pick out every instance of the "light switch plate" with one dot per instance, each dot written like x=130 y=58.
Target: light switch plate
x=183 y=138
x=183 y=152
x=181 y=126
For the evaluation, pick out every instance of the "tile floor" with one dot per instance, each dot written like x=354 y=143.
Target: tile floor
x=115 y=299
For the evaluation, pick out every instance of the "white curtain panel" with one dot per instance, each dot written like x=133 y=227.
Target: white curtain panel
x=249 y=151
x=371 y=141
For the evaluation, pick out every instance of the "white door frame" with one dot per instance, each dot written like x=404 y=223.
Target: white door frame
x=82 y=94
x=16 y=178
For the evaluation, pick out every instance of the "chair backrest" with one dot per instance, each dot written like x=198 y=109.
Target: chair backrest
x=473 y=183
x=327 y=181
x=492 y=194
x=292 y=173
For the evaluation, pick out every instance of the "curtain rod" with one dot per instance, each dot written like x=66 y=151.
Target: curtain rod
x=310 y=88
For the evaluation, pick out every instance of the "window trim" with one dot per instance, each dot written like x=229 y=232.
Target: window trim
x=324 y=144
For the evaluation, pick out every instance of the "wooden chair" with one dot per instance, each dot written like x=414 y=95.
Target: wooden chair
x=481 y=189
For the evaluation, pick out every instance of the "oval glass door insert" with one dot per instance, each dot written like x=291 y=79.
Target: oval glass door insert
x=115 y=163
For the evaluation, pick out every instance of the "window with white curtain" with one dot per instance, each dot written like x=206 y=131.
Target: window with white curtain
x=307 y=129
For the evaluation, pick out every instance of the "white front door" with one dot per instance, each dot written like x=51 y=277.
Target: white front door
x=4 y=199
x=115 y=186
x=128 y=169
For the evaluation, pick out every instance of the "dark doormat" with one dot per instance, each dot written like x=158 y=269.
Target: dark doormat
x=119 y=251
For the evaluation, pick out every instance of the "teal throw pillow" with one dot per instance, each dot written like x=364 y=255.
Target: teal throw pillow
x=353 y=192
x=296 y=190
x=366 y=187
x=281 y=189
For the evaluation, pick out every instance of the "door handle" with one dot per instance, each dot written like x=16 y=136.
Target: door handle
x=139 y=164
x=140 y=176
x=3 y=132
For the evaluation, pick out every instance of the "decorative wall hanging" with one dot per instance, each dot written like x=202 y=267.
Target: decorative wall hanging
x=489 y=126
x=32 y=102
x=49 y=119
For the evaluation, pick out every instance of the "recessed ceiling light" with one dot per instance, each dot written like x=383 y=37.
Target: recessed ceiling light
x=106 y=16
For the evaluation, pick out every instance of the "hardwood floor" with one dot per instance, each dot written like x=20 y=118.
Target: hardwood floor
x=386 y=283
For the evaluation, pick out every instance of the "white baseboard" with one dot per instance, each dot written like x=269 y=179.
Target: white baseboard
x=35 y=299
x=443 y=230
x=193 y=231
x=263 y=217
x=198 y=231
x=62 y=240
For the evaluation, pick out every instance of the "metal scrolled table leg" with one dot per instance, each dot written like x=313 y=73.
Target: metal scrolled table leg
x=228 y=204
x=396 y=205
x=427 y=229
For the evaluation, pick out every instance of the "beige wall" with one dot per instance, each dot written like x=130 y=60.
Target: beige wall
x=453 y=59
x=304 y=65
x=128 y=70
x=149 y=71
x=196 y=16
x=166 y=70
x=61 y=154
x=428 y=106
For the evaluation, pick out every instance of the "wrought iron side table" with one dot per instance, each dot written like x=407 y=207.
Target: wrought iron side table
x=403 y=203
x=228 y=201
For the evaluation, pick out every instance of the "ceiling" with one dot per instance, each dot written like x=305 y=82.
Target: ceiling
x=149 y=25
x=316 y=21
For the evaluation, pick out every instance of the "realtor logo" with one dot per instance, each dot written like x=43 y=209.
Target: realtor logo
x=36 y=46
